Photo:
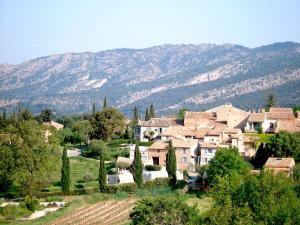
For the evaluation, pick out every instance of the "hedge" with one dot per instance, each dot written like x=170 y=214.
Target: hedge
x=129 y=188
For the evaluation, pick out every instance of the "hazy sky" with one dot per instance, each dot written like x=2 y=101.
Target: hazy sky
x=33 y=28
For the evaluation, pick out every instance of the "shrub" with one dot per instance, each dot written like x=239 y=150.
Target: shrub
x=153 y=167
x=87 y=178
x=79 y=185
x=30 y=203
x=54 y=199
x=164 y=210
x=122 y=165
x=113 y=171
x=11 y=212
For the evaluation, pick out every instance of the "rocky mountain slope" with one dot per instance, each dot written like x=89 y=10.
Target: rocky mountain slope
x=170 y=76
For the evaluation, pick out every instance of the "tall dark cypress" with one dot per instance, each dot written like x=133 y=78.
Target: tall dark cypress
x=65 y=173
x=102 y=172
x=171 y=163
x=152 y=113
x=104 y=103
x=94 y=108
x=4 y=114
x=137 y=167
x=136 y=117
x=147 y=116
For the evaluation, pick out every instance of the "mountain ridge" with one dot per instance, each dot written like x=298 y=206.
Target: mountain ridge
x=170 y=76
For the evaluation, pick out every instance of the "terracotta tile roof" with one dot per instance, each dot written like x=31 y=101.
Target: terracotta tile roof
x=290 y=125
x=201 y=132
x=233 y=131
x=159 y=145
x=124 y=160
x=177 y=143
x=279 y=115
x=257 y=117
x=198 y=115
x=179 y=130
x=281 y=110
x=160 y=122
x=208 y=145
x=216 y=131
x=279 y=163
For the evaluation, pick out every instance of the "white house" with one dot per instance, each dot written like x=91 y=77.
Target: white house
x=144 y=153
x=148 y=130
x=207 y=151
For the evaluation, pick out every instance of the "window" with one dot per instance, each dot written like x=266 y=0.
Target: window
x=209 y=151
x=271 y=125
x=184 y=159
x=184 y=151
x=160 y=130
x=205 y=160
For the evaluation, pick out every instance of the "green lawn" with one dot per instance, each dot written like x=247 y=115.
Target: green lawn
x=84 y=172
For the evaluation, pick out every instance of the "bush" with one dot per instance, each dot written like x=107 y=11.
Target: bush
x=87 y=178
x=122 y=165
x=12 y=212
x=164 y=210
x=54 y=199
x=153 y=167
x=30 y=203
x=144 y=143
x=113 y=171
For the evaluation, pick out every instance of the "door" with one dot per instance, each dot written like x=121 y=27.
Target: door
x=155 y=160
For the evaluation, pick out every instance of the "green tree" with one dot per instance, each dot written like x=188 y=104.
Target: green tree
x=136 y=117
x=102 y=171
x=137 y=166
x=34 y=158
x=147 y=116
x=270 y=102
x=46 y=115
x=181 y=113
x=152 y=111
x=226 y=162
x=108 y=124
x=171 y=163
x=164 y=210
x=83 y=128
x=94 y=108
x=104 y=103
x=25 y=115
x=4 y=114
x=65 y=173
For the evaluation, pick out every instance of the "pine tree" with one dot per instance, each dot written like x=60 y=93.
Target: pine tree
x=102 y=172
x=94 y=108
x=137 y=167
x=152 y=113
x=171 y=163
x=65 y=173
x=147 y=115
x=4 y=114
x=136 y=117
x=104 y=103
x=270 y=102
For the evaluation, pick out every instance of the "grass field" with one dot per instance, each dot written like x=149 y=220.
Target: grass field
x=84 y=173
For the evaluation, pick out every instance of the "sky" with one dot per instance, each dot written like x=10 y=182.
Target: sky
x=34 y=28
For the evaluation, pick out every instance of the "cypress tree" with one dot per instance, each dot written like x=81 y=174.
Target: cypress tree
x=147 y=116
x=152 y=113
x=65 y=173
x=171 y=163
x=94 y=108
x=270 y=101
x=136 y=117
x=4 y=114
x=102 y=172
x=13 y=116
x=104 y=103
x=137 y=167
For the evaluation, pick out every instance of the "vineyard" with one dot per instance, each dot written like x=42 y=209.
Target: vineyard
x=105 y=213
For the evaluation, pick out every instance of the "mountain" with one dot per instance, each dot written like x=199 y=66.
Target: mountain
x=170 y=76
